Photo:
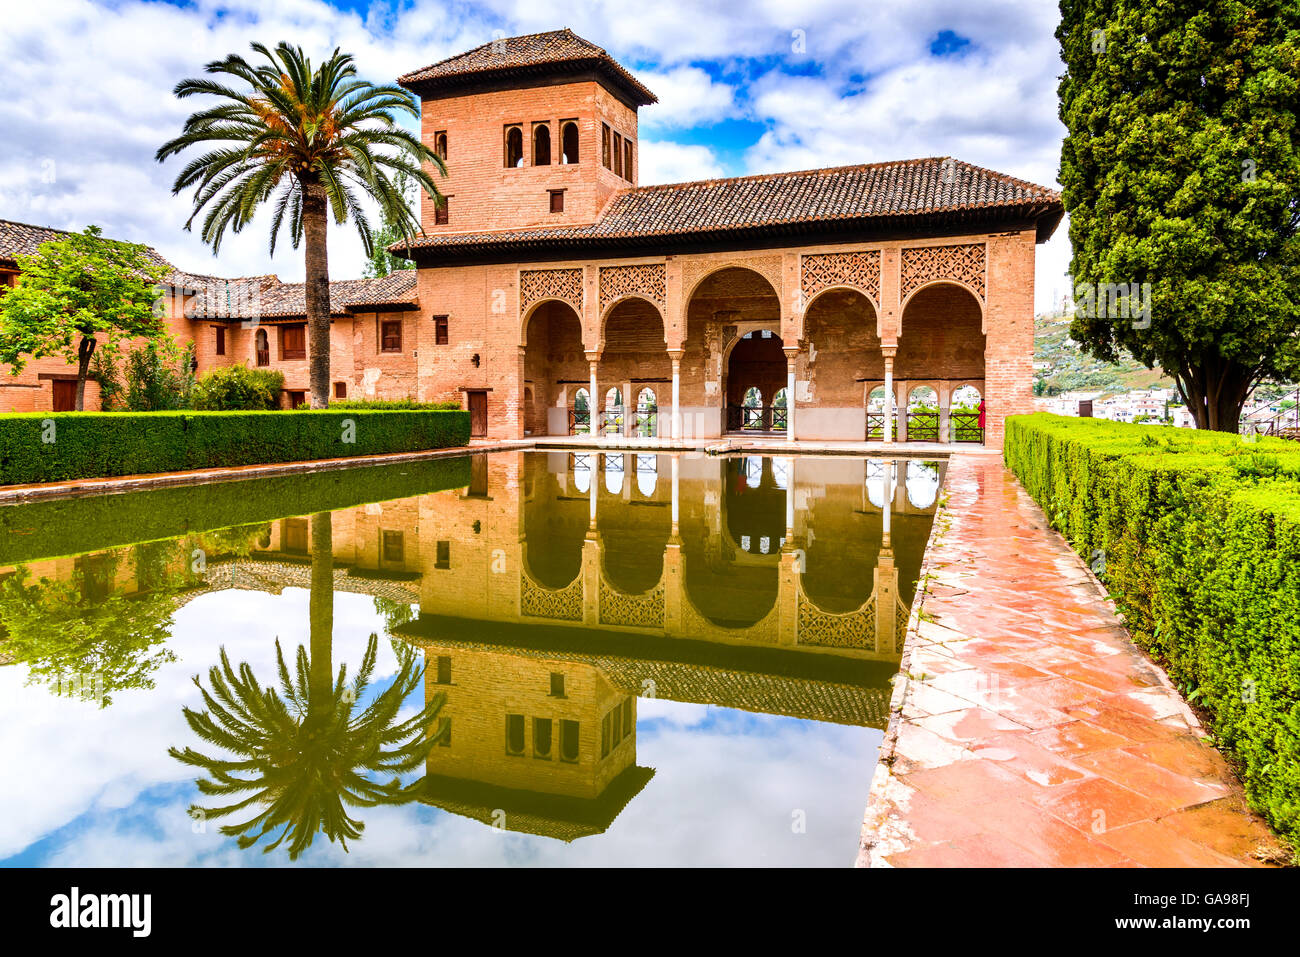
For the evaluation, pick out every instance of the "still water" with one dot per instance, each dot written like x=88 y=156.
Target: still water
x=541 y=658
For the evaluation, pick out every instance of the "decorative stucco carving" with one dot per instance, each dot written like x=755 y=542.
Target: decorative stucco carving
x=648 y=280
x=538 y=602
x=923 y=264
x=819 y=271
x=538 y=284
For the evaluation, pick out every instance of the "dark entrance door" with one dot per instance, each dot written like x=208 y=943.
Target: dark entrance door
x=65 y=394
x=478 y=414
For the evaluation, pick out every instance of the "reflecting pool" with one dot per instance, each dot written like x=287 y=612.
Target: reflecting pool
x=530 y=658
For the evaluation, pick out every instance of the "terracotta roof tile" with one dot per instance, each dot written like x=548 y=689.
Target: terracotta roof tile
x=923 y=189
x=275 y=298
x=553 y=52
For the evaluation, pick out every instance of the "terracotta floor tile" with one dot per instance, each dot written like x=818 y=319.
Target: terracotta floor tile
x=1228 y=827
x=1154 y=844
x=1077 y=737
x=1147 y=778
x=980 y=850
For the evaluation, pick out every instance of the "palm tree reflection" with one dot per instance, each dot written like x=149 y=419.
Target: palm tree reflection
x=305 y=754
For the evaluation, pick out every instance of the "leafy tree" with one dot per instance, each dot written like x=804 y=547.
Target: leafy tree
x=306 y=753
x=381 y=262
x=1181 y=168
x=313 y=141
x=77 y=629
x=238 y=388
x=77 y=296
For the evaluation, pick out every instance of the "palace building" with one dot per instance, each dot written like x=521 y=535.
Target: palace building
x=553 y=296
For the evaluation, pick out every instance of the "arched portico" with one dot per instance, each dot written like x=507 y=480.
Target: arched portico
x=554 y=367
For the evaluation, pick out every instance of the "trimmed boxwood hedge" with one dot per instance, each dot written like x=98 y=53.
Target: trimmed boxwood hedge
x=1200 y=534
x=62 y=527
x=102 y=444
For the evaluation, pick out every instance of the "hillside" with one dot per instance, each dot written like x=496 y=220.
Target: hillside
x=1070 y=369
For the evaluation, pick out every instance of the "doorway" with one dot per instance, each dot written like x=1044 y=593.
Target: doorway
x=65 y=395
x=477 y=399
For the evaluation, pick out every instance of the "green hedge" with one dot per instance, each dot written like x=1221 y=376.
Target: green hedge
x=71 y=526
x=1200 y=535
x=51 y=447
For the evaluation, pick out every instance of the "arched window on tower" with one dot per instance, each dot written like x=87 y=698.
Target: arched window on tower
x=440 y=144
x=569 y=143
x=541 y=145
x=514 y=147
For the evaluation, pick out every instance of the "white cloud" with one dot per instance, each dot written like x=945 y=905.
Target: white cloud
x=663 y=161
x=688 y=97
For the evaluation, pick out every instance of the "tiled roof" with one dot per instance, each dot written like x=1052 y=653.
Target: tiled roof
x=934 y=190
x=276 y=298
x=23 y=239
x=559 y=51
x=289 y=299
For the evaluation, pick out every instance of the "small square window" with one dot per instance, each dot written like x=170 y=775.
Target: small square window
x=221 y=340
x=441 y=215
x=340 y=390
x=394 y=546
x=293 y=535
x=444 y=555
x=390 y=335
x=444 y=670
x=557 y=200
x=557 y=684
x=440 y=332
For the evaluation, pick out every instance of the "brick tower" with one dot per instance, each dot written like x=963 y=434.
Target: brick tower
x=536 y=131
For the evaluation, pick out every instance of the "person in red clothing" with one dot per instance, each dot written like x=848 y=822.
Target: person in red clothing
x=981 y=415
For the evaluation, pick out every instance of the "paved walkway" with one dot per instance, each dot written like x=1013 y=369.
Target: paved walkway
x=1027 y=729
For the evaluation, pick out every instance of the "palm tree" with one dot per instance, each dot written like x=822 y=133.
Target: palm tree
x=306 y=753
x=313 y=141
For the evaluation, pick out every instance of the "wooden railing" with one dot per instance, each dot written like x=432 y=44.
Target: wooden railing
x=922 y=425
x=964 y=427
x=579 y=422
x=766 y=418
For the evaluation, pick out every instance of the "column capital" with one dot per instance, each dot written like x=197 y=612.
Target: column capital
x=676 y=354
x=593 y=357
x=889 y=352
x=791 y=352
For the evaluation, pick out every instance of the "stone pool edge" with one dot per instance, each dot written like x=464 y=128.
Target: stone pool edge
x=878 y=827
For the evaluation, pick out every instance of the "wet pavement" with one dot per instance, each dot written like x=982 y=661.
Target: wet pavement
x=1027 y=728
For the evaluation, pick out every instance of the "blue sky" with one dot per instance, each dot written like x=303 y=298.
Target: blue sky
x=744 y=88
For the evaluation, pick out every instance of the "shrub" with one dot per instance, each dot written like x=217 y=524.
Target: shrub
x=51 y=447
x=160 y=377
x=238 y=388
x=1200 y=536
x=393 y=404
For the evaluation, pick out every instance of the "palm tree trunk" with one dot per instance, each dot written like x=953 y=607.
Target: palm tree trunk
x=321 y=611
x=314 y=227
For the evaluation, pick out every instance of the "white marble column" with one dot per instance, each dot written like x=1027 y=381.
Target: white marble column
x=676 y=419
x=596 y=404
x=791 y=355
x=887 y=433
x=676 y=500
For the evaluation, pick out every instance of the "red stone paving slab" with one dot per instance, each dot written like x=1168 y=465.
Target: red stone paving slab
x=1026 y=729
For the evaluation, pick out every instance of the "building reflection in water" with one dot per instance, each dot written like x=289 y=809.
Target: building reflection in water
x=570 y=584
